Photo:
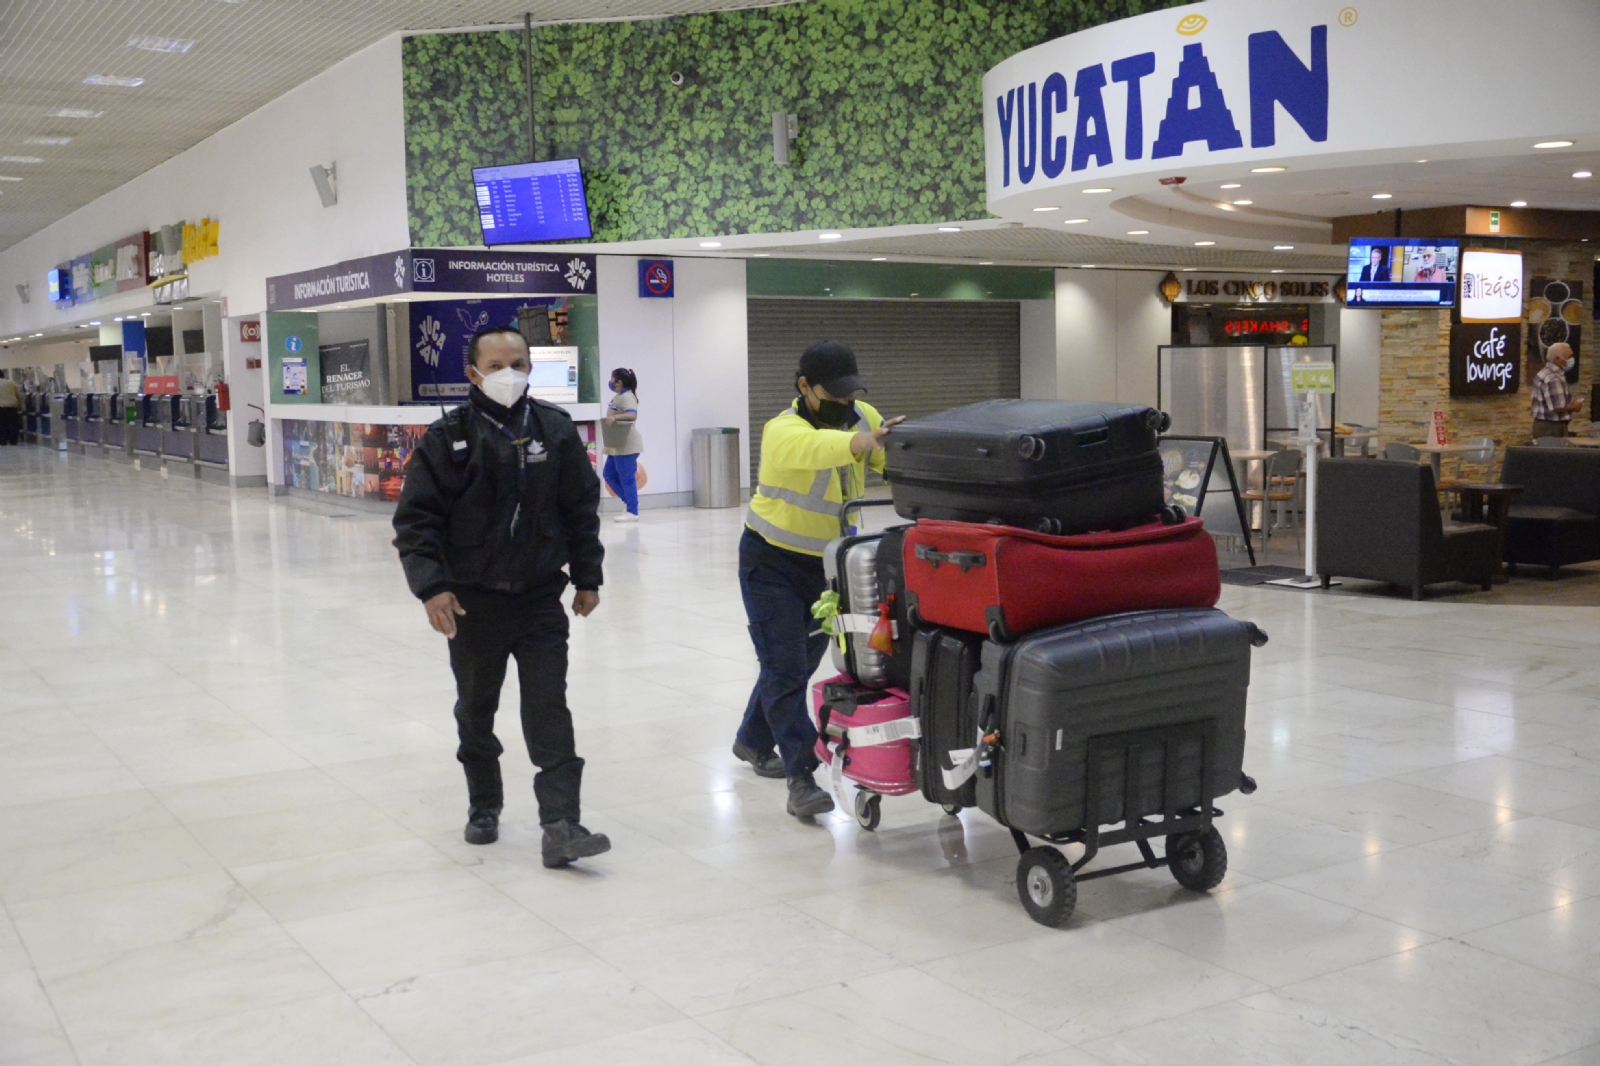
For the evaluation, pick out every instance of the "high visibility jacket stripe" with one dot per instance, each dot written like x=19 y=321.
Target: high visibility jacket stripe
x=798 y=503
x=785 y=539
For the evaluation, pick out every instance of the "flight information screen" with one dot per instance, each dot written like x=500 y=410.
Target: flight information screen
x=530 y=203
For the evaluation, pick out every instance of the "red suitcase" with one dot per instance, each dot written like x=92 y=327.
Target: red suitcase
x=1005 y=581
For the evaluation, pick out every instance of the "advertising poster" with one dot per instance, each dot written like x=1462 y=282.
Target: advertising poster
x=82 y=287
x=294 y=375
x=1555 y=314
x=293 y=360
x=348 y=459
x=441 y=331
x=103 y=271
x=346 y=372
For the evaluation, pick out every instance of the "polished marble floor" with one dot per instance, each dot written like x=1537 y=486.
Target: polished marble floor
x=230 y=832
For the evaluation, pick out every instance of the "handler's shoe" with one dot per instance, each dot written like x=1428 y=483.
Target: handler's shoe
x=768 y=765
x=567 y=841
x=805 y=798
x=483 y=825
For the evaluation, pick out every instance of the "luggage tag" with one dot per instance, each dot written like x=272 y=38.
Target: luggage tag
x=965 y=762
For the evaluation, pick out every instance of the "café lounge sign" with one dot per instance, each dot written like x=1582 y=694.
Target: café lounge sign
x=1483 y=358
x=1244 y=289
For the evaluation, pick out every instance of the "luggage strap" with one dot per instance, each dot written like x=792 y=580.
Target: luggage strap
x=870 y=736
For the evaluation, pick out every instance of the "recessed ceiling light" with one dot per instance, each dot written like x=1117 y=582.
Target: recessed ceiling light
x=107 y=79
x=949 y=229
x=763 y=255
x=1190 y=270
x=1098 y=190
x=73 y=112
x=1554 y=144
x=986 y=262
x=1231 y=185
x=1283 y=247
x=1519 y=203
x=1575 y=173
x=1422 y=160
x=1072 y=221
x=1204 y=244
x=54 y=142
x=1088 y=266
x=1383 y=196
x=711 y=244
x=1277 y=272
x=1047 y=209
x=20 y=159
x=117 y=319
x=829 y=236
x=95 y=322
x=1268 y=170
x=161 y=44
x=8 y=177
x=880 y=259
x=1243 y=203
x=1138 y=233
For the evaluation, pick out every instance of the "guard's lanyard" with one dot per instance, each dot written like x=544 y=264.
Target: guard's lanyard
x=519 y=443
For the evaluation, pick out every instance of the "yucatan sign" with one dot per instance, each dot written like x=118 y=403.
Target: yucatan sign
x=1247 y=83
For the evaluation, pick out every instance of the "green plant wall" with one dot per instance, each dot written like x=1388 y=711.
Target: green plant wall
x=888 y=94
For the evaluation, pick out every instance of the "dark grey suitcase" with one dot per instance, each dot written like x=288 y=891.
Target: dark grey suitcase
x=1168 y=685
x=1054 y=466
x=943 y=662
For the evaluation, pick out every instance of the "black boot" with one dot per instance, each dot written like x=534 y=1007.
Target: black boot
x=567 y=840
x=768 y=765
x=483 y=825
x=806 y=799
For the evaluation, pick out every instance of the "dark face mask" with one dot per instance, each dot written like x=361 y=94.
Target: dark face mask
x=835 y=413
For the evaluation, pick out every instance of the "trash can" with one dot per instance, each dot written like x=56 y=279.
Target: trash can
x=714 y=457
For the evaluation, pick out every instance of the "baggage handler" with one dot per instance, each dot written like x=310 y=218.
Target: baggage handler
x=499 y=497
x=814 y=457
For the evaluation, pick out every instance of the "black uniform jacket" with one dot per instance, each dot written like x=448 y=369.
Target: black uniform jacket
x=467 y=517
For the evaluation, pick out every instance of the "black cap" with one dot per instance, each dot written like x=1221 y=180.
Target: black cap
x=833 y=366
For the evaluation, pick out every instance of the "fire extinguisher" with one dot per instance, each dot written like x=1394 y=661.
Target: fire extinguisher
x=222 y=397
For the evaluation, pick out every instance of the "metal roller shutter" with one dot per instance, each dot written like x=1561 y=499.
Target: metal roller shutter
x=918 y=356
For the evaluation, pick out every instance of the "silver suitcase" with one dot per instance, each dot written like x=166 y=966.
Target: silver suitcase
x=851 y=564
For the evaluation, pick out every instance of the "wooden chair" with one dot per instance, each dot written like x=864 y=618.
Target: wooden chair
x=1280 y=486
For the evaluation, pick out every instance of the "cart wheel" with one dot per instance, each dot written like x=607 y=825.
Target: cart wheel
x=868 y=810
x=1198 y=861
x=951 y=809
x=1045 y=886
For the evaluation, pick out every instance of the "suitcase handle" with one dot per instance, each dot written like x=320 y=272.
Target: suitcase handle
x=860 y=503
x=965 y=560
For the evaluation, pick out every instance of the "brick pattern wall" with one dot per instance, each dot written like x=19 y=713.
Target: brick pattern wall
x=1414 y=369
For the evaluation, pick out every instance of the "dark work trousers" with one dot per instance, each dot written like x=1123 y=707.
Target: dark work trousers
x=779 y=587
x=532 y=627
x=10 y=425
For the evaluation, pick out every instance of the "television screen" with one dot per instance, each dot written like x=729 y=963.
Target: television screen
x=530 y=203
x=1402 y=272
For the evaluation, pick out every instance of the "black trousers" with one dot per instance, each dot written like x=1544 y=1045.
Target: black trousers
x=10 y=425
x=531 y=627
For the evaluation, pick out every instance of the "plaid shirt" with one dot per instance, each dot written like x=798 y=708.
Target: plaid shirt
x=1551 y=395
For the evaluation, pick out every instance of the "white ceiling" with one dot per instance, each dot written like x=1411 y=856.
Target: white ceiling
x=245 y=53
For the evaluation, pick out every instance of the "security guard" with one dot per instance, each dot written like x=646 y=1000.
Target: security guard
x=499 y=497
x=814 y=457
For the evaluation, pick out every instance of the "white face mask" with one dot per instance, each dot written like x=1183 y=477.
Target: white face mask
x=505 y=387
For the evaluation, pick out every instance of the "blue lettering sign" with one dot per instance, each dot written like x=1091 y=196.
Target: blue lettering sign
x=1278 y=76
x=1007 y=109
x=1053 y=102
x=1028 y=139
x=1091 y=137
x=1131 y=70
x=1210 y=121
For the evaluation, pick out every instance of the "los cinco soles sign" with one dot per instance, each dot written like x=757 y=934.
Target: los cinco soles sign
x=1242 y=289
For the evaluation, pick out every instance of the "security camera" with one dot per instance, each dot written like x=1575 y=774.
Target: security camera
x=22 y=293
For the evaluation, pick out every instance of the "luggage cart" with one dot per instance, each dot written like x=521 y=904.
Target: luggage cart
x=1195 y=852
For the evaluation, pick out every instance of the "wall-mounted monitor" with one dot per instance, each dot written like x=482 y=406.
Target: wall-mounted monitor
x=531 y=203
x=194 y=341
x=158 y=341
x=1402 y=272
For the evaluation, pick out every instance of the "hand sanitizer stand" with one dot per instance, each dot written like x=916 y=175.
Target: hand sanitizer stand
x=1307 y=380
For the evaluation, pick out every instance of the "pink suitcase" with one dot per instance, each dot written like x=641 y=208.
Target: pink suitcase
x=864 y=735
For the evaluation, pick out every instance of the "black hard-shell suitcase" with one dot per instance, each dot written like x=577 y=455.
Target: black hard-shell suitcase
x=943 y=662
x=1053 y=466
x=1177 y=678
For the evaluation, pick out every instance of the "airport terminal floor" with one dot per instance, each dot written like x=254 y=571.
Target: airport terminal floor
x=230 y=831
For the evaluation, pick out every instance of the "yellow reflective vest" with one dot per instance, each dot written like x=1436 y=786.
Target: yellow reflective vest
x=806 y=476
